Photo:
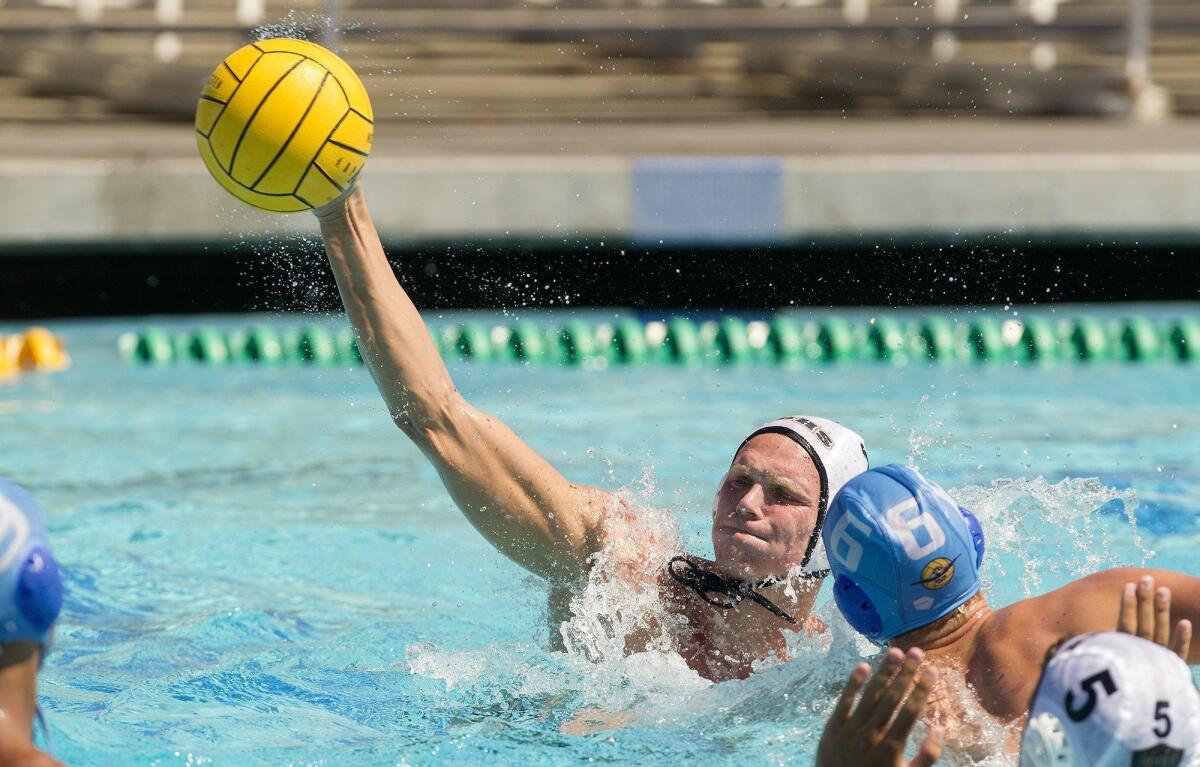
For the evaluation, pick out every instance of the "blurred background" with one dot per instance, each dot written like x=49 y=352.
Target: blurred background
x=741 y=154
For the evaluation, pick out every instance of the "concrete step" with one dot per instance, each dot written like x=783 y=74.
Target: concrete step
x=33 y=109
x=11 y=87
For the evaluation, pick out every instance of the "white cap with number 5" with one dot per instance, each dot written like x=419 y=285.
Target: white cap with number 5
x=1113 y=700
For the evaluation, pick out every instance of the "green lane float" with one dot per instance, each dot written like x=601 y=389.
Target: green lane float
x=500 y=337
x=836 y=341
x=885 y=340
x=1088 y=340
x=527 y=343
x=578 y=343
x=728 y=342
x=445 y=339
x=347 y=347
x=682 y=342
x=1038 y=341
x=473 y=342
x=936 y=336
x=208 y=346
x=629 y=342
x=153 y=347
x=1139 y=340
x=259 y=344
x=265 y=345
x=1183 y=338
x=732 y=342
x=786 y=343
x=314 y=345
x=985 y=341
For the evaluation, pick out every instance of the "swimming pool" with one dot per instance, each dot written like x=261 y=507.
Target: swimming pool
x=261 y=570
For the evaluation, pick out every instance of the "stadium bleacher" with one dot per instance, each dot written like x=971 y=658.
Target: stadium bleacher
x=483 y=61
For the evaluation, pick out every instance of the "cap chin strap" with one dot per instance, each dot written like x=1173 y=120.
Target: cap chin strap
x=705 y=582
x=40 y=724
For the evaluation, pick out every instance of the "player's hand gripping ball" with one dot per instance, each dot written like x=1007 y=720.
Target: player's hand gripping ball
x=284 y=125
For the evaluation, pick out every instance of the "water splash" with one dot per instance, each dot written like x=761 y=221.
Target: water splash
x=1053 y=532
x=298 y=24
x=620 y=635
x=927 y=430
x=621 y=668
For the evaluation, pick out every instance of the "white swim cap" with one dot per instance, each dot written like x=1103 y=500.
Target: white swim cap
x=1113 y=700
x=839 y=455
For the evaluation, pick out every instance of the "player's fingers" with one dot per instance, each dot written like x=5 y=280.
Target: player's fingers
x=1145 y=598
x=1127 y=618
x=877 y=684
x=841 y=709
x=1162 y=616
x=931 y=749
x=1181 y=639
x=895 y=691
x=913 y=707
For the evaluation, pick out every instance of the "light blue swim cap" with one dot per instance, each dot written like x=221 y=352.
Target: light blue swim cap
x=902 y=552
x=31 y=592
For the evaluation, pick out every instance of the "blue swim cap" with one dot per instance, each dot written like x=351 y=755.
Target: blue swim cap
x=31 y=591
x=902 y=552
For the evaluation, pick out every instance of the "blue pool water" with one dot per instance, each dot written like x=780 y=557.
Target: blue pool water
x=261 y=570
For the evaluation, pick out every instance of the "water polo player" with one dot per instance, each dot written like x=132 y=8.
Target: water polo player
x=906 y=558
x=1109 y=699
x=1113 y=700
x=767 y=515
x=30 y=599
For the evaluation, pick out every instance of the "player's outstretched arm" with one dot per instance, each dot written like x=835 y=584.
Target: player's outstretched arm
x=1090 y=603
x=516 y=499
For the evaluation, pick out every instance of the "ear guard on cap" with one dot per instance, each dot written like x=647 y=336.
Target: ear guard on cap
x=31 y=590
x=856 y=607
x=977 y=537
x=39 y=592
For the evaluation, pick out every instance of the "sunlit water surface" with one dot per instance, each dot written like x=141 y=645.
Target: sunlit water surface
x=261 y=570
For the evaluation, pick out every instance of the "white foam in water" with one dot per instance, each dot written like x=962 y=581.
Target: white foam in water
x=454 y=668
x=619 y=610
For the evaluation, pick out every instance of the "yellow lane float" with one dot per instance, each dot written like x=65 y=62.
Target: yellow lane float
x=37 y=349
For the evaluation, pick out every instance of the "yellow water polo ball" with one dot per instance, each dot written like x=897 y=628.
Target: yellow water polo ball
x=284 y=125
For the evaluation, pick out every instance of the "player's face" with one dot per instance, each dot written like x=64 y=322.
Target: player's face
x=766 y=509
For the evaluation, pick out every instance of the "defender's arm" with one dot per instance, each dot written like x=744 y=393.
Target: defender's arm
x=1091 y=603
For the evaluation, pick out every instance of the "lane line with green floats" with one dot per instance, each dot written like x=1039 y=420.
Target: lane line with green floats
x=728 y=341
